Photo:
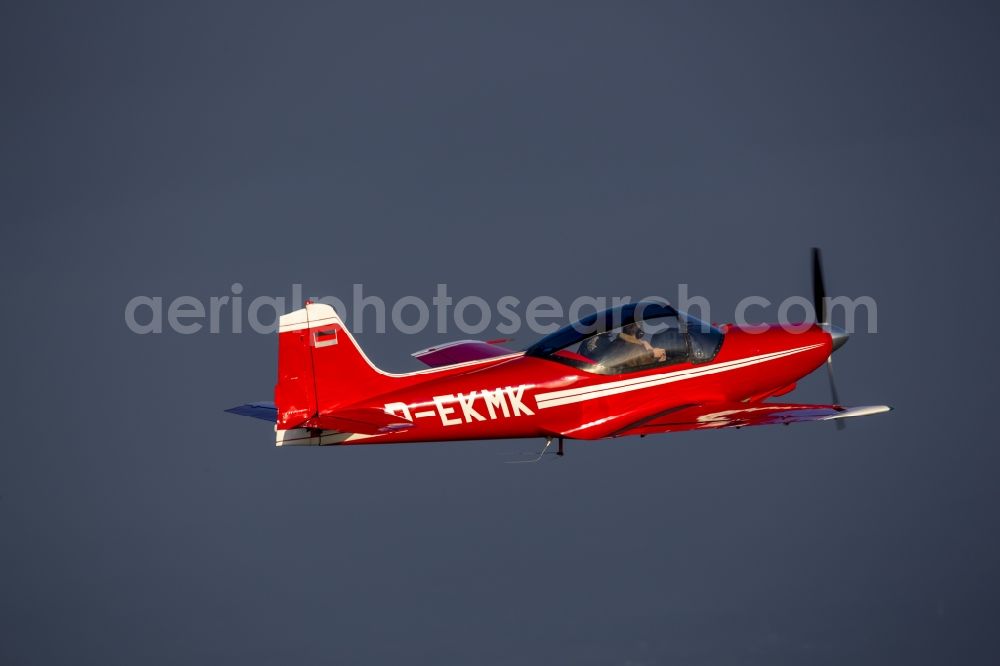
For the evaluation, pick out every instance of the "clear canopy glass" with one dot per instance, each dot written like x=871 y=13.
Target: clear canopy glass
x=631 y=338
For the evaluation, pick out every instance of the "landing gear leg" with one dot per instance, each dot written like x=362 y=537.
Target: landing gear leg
x=560 y=452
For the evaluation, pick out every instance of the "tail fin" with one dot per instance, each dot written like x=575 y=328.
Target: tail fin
x=320 y=366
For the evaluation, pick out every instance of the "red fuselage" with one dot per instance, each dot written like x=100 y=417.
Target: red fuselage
x=524 y=396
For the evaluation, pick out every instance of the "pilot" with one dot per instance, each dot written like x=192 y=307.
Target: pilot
x=632 y=334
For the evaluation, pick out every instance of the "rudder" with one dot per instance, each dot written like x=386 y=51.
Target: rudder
x=320 y=366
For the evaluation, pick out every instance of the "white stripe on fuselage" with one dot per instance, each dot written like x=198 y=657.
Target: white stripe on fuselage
x=570 y=396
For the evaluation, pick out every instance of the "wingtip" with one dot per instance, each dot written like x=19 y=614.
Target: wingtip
x=864 y=410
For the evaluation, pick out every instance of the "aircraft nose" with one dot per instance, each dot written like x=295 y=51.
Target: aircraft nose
x=838 y=335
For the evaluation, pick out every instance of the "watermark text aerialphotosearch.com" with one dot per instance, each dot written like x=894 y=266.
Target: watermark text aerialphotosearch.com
x=236 y=312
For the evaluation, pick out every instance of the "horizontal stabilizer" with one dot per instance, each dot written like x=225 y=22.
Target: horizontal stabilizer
x=344 y=426
x=266 y=411
x=365 y=421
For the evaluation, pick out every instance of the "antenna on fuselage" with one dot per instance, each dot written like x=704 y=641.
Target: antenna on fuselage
x=548 y=443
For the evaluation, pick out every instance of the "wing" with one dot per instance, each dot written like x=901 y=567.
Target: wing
x=462 y=351
x=740 y=414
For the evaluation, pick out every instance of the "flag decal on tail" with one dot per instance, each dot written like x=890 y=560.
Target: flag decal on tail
x=324 y=338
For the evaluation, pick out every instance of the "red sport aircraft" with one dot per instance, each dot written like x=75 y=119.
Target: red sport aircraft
x=637 y=369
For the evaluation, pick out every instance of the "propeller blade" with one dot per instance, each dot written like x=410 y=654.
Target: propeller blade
x=833 y=390
x=819 y=289
x=819 y=305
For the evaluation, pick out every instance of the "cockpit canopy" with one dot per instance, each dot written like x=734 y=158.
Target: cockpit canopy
x=629 y=338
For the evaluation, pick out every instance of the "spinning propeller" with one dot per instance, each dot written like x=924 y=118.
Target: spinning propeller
x=838 y=334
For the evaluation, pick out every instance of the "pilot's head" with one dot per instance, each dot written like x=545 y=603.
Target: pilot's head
x=633 y=329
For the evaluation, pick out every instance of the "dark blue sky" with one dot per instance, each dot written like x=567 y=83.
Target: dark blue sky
x=522 y=149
